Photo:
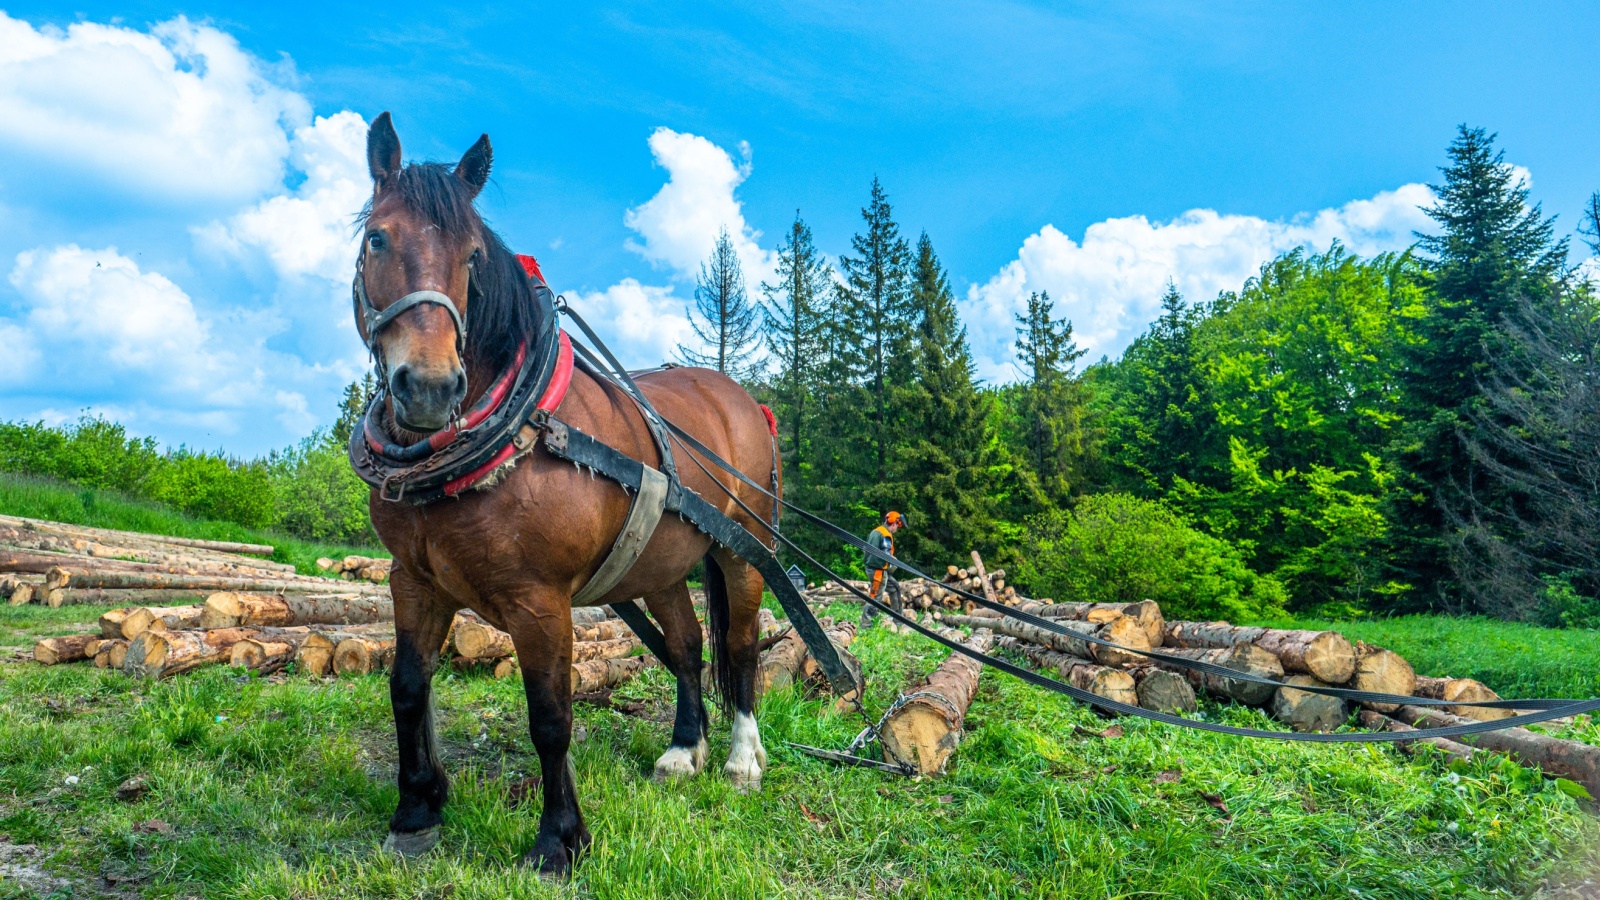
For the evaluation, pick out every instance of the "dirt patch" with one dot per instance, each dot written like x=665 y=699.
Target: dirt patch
x=19 y=864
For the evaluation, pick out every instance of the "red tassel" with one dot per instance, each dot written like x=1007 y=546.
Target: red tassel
x=772 y=420
x=531 y=266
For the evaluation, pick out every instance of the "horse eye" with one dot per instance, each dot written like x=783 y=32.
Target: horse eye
x=375 y=240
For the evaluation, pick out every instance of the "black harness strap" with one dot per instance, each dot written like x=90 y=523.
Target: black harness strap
x=566 y=442
x=637 y=619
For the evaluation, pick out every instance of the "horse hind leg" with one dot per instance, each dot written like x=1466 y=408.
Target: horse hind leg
x=686 y=755
x=733 y=601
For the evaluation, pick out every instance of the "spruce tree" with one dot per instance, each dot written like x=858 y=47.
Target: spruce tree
x=1493 y=252
x=793 y=324
x=876 y=303
x=942 y=461
x=1052 y=400
x=356 y=396
x=723 y=318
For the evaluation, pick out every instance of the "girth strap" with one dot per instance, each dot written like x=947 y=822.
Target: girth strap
x=643 y=516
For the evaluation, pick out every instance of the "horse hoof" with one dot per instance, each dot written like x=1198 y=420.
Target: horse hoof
x=407 y=845
x=553 y=866
x=681 y=762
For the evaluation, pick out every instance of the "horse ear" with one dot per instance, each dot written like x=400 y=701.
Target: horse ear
x=473 y=169
x=383 y=150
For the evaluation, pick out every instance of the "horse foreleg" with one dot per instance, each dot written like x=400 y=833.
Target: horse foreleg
x=741 y=588
x=542 y=632
x=421 y=622
x=686 y=755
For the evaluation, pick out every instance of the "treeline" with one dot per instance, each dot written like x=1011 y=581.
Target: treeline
x=1412 y=431
x=307 y=491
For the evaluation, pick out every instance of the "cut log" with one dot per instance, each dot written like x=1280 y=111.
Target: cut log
x=476 y=639
x=229 y=609
x=160 y=654
x=1305 y=711
x=505 y=668
x=1122 y=630
x=44 y=525
x=983 y=578
x=616 y=648
x=926 y=729
x=265 y=657
x=598 y=674
x=841 y=635
x=315 y=655
x=1161 y=690
x=1146 y=612
x=1465 y=690
x=591 y=615
x=38 y=562
x=1325 y=655
x=110 y=653
x=1384 y=672
x=22 y=593
x=161 y=618
x=780 y=664
x=117 y=578
x=1376 y=721
x=1102 y=681
x=111 y=621
x=67 y=649
x=1553 y=756
x=1246 y=658
x=609 y=630
x=119 y=597
x=362 y=655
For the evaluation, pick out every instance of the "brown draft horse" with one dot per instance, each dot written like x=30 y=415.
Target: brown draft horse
x=516 y=553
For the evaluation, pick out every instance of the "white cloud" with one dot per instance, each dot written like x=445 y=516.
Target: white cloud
x=96 y=305
x=307 y=232
x=1110 y=284
x=679 y=225
x=642 y=323
x=176 y=114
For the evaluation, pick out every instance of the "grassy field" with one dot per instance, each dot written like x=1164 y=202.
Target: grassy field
x=281 y=788
x=45 y=498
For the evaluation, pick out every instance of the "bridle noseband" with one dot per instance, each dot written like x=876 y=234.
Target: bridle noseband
x=375 y=320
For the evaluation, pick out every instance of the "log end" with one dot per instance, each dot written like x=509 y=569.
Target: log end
x=923 y=734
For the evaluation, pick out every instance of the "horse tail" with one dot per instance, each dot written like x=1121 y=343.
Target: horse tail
x=716 y=586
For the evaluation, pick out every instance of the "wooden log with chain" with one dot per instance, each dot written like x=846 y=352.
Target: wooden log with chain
x=925 y=727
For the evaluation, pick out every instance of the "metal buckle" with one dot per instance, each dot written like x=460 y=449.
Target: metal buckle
x=556 y=435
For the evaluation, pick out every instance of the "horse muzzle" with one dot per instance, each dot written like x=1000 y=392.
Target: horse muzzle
x=424 y=401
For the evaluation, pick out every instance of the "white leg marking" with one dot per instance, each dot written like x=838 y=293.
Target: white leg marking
x=681 y=762
x=748 y=757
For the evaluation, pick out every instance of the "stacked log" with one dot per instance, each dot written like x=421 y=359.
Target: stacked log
x=1462 y=690
x=1305 y=711
x=1102 y=681
x=358 y=568
x=130 y=622
x=1163 y=691
x=1384 y=672
x=58 y=564
x=1324 y=655
x=65 y=649
x=1558 y=758
x=1122 y=630
x=314 y=656
x=228 y=609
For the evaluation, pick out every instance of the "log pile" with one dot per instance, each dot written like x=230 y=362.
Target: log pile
x=357 y=568
x=57 y=564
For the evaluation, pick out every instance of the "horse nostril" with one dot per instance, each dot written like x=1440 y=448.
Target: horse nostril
x=461 y=383
x=400 y=382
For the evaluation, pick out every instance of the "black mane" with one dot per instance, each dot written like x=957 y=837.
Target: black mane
x=503 y=311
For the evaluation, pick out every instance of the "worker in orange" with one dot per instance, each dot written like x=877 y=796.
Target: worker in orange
x=881 y=540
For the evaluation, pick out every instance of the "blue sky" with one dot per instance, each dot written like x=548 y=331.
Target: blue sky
x=176 y=180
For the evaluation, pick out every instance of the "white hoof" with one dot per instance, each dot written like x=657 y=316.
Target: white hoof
x=748 y=758
x=681 y=762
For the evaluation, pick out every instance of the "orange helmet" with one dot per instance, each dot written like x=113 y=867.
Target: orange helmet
x=893 y=518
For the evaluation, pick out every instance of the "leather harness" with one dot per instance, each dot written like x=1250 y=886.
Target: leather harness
x=512 y=417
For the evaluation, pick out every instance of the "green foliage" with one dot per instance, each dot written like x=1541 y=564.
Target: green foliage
x=92 y=452
x=1052 y=404
x=1114 y=548
x=318 y=495
x=723 y=318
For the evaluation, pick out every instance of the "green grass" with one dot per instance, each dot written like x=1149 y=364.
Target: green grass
x=283 y=790
x=46 y=498
x=1516 y=660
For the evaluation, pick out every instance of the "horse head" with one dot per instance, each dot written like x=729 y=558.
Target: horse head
x=416 y=273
